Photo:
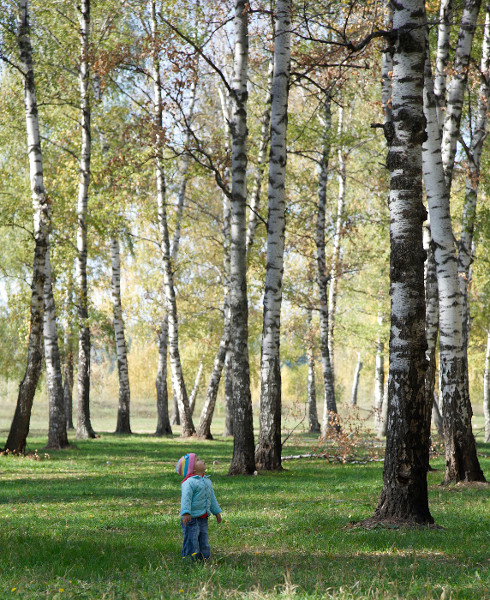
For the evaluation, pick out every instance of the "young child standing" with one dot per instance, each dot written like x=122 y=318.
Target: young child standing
x=197 y=502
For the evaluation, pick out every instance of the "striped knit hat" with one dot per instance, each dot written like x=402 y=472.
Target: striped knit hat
x=185 y=465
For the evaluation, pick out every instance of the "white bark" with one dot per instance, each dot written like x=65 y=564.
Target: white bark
x=243 y=447
x=461 y=460
x=442 y=57
x=486 y=392
x=312 y=404
x=457 y=86
x=123 y=413
x=355 y=381
x=268 y=450
x=329 y=404
x=19 y=429
x=261 y=160
x=379 y=377
x=387 y=68
x=57 y=436
x=84 y=426
x=168 y=276
x=478 y=134
x=337 y=240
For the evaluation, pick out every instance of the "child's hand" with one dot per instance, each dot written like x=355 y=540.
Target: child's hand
x=218 y=517
x=186 y=518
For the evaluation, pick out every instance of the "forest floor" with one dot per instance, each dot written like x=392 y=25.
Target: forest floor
x=101 y=521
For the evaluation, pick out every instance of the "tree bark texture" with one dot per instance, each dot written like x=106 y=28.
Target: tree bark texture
x=457 y=86
x=336 y=267
x=84 y=425
x=57 y=435
x=312 y=404
x=329 y=403
x=16 y=440
x=163 y=418
x=404 y=495
x=68 y=357
x=431 y=316
x=261 y=162
x=355 y=381
x=442 y=57
x=123 y=410
x=268 y=449
x=461 y=456
x=168 y=275
x=379 y=383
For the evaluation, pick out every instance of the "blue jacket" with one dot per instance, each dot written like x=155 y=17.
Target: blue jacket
x=197 y=497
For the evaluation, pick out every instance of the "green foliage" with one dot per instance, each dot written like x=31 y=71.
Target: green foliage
x=100 y=520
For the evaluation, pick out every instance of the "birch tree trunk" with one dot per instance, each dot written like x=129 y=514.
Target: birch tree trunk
x=431 y=317
x=123 y=411
x=478 y=134
x=57 y=435
x=355 y=381
x=442 y=57
x=68 y=357
x=456 y=88
x=329 y=403
x=268 y=449
x=312 y=406
x=228 y=393
x=243 y=461
x=168 y=276
x=486 y=392
x=163 y=418
x=461 y=456
x=379 y=378
x=337 y=240
x=84 y=425
x=16 y=440
x=404 y=495
x=195 y=388
x=261 y=161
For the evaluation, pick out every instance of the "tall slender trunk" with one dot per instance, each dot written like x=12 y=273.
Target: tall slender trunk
x=404 y=495
x=329 y=403
x=432 y=317
x=261 y=161
x=312 y=405
x=57 y=436
x=168 y=275
x=457 y=86
x=16 y=440
x=461 y=456
x=163 y=419
x=355 y=381
x=123 y=411
x=68 y=356
x=337 y=240
x=478 y=134
x=379 y=377
x=442 y=57
x=229 y=411
x=195 y=388
x=486 y=391
x=243 y=444
x=84 y=425
x=268 y=449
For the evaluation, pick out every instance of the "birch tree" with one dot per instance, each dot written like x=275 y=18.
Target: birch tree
x=19 y=429
x=486 y=391
x=123 y=410
x=57 y=435
x=404 y=495
x=268 y=449
x=438 y=158
x=84 y=425
x=168 y=276
x=243 y=461
x=329 y=402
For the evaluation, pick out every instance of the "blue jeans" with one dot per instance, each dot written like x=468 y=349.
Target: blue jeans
x=196 y=541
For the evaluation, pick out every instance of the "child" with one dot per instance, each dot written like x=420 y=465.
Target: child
x=196 y=504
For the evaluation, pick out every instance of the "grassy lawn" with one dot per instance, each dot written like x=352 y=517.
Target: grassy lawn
x=100 y=521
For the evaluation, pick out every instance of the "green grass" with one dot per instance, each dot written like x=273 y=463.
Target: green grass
x=100 y=521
